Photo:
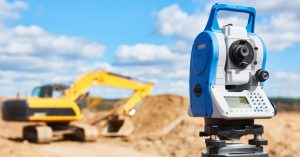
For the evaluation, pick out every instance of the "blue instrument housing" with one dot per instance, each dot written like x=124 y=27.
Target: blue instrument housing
x=202 y=72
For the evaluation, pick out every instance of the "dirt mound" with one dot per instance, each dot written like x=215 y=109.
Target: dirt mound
x=157 y=112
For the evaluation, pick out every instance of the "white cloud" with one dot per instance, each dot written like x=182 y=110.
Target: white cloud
x=145 y=54
x=33 y=39
x=284 y=84
x=30 y=48
x=168 y=69
x=177 y=87
x=154 y=73
x=280 y=31
x=172 y=20
x=287 y=76
x=9 y=10
x=157 y=63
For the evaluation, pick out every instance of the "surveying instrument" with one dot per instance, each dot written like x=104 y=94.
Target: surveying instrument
x=227 y=72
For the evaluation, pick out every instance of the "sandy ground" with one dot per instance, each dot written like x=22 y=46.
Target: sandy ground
x=152 y=136
x=72 y=149
x=68 y=149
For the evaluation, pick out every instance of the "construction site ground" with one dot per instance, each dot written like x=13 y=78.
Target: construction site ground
x=162 y=129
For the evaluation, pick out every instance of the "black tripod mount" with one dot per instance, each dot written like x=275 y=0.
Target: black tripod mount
x=221 y=131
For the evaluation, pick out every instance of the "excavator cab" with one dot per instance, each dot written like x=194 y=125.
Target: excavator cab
x=57 y=91
x=49 y=91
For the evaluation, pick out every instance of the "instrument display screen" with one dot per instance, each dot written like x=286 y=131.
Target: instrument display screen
x=237 y=102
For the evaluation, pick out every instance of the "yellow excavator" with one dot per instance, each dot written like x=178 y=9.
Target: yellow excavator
x=58 y=105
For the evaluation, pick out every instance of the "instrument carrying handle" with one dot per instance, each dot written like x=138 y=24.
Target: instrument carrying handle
x=213 y=25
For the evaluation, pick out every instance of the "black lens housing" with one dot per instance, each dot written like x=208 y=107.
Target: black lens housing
x=241 y=53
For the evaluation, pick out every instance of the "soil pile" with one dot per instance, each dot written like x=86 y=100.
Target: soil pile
x=157 y=112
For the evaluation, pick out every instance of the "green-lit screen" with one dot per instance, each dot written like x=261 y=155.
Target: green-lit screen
x=237 y=102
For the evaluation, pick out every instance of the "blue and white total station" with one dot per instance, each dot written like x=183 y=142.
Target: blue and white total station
x=227 y=70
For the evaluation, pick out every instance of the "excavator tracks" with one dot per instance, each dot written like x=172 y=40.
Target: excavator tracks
x=85 y=132
x=49 y=133
x=38 y=134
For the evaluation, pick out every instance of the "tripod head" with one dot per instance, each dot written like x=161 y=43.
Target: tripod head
x=227 y=70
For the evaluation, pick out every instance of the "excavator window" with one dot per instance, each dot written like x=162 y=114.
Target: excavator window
x=56 y=93
x=42 y=92
x=36 y=92
x=49 y=91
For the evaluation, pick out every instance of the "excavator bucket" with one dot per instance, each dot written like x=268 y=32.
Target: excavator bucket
x=117 y=126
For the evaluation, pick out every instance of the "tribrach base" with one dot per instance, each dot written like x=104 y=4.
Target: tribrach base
x=220 y=131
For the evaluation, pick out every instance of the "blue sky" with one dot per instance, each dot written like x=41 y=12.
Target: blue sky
x=55 y=41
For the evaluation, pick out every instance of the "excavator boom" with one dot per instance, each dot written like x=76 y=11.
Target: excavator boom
x=104 y=78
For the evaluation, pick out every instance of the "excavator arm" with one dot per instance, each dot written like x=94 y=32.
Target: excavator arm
x=135 y=99
x=104 y=78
